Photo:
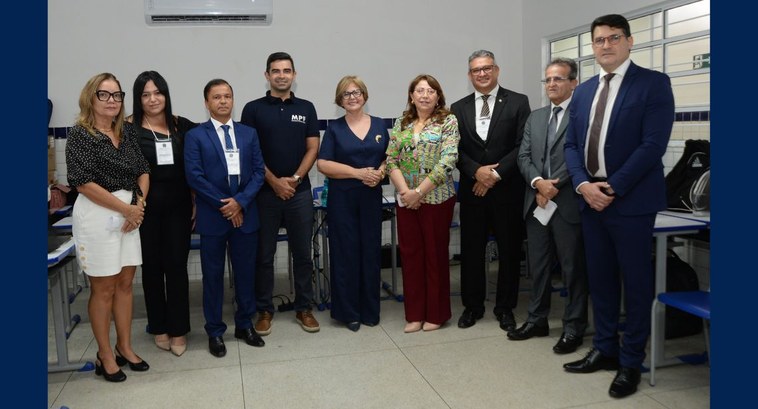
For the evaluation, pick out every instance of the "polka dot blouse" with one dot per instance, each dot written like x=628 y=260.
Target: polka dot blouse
x=93 y=158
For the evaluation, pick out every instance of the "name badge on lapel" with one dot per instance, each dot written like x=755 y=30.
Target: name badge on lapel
x=233 y=161
x=164 y=152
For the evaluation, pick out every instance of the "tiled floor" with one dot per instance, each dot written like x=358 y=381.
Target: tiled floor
x=379 y=367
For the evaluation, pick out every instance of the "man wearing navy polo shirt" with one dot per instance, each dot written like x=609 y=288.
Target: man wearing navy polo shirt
x=288 y=131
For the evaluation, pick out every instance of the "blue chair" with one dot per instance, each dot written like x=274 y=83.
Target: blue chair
x=697 y=303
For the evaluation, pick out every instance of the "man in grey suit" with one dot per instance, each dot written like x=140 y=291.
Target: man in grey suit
x=558 y=238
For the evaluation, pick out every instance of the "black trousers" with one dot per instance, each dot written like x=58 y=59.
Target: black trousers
x=478 y=221
x=165 y=236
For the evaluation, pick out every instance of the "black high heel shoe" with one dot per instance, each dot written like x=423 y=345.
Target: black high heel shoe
x=119 y=376
x=140 y=366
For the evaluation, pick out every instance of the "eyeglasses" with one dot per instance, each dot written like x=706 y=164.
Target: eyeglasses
x=486 y=69
x=612 y=40
x=355 y=94
x=104 y=96
x=558 y=80
x=427 y=91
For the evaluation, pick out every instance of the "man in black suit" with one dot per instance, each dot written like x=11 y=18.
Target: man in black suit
x=558 y=238
x=491 y=193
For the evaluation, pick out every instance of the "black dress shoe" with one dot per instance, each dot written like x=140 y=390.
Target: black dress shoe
x=216 y=346
x=140 y=366
x=567 y=343
x=625 y=383
x=528 y=330
x=507 y=321
x=118 y=376
x=250 y=336
x=469 y=317
x=353 y=326
x=594 y=361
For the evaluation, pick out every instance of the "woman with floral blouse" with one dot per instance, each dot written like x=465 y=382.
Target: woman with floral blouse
x=421 y=156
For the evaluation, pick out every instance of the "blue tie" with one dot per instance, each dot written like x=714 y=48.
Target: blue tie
x=234 y=181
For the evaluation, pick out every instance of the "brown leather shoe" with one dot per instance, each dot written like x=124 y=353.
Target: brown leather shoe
x=307 y=321
x=263 y=325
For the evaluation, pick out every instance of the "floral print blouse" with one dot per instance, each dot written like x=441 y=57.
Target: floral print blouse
x=430 y=154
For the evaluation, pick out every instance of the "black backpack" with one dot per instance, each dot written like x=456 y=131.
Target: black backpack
x=695 y=160
x=680 y=276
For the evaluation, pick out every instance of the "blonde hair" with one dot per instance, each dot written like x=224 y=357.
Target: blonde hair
x=344 y=83
x=86 y=117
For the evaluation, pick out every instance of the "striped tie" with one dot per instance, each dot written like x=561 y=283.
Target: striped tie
x=485 y=107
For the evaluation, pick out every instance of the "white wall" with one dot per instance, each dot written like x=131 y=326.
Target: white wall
x=386 y=42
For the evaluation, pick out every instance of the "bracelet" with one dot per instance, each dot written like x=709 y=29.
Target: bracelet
x=418 y=190
x=143 y=201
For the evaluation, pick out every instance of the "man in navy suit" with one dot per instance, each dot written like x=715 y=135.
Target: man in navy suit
x=224 y=167
x=620 y=124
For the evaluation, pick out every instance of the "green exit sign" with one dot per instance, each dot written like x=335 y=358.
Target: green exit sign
x=701 y=61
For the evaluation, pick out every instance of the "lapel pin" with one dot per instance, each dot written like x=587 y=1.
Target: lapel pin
x=378 y=138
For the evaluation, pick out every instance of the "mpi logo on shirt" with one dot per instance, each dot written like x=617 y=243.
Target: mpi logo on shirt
x=298 y=118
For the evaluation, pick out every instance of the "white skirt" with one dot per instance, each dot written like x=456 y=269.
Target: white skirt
x=101 y=248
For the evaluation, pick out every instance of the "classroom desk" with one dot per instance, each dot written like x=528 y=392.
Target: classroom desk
x=64 y=224
x=58 y=261
x=667 y=225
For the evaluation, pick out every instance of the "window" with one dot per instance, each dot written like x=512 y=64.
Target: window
x=673 y=37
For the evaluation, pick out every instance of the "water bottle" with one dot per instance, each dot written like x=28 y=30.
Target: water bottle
x=325 y=192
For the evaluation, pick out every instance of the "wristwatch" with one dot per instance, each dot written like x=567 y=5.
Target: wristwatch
x=418 y=190
x=298 y=179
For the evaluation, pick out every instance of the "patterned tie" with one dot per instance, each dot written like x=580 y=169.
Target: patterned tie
x=597 y=123
x=485 y=107
x=234 y=181
x=552 y=127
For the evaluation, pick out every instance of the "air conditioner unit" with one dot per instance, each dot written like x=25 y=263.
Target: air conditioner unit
x=208 y=12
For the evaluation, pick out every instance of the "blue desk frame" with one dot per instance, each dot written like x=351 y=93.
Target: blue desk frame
x=64 y=323
x=666 y=225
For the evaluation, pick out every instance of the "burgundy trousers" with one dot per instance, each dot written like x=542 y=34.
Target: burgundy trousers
x=424 y=238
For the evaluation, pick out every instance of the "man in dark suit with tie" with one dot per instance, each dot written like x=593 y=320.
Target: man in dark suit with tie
x=491 y=189
x=224 y=168
x=558 y=238
x=620 y=124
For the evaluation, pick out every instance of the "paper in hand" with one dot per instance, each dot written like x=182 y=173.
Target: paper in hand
x=544 y=215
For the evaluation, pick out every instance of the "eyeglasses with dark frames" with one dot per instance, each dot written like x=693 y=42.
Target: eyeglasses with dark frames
x=355 y=94
x=612 y=40
x=104 y=96
x=487 y=69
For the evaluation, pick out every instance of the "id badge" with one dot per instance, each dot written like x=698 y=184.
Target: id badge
x=164 y=152
x=233 y=162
